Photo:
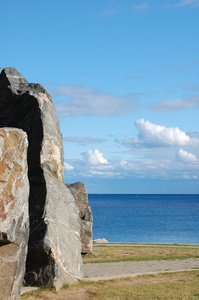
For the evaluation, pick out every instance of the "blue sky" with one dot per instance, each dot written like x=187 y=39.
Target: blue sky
x=124 y=78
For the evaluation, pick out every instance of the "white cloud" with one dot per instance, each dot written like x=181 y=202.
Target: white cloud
x=88 y=101
x=108 y=12
x=185 y=176
x=190 y=86
x=123 y=163
x=142 y=6
x=186 y=156
x=158 y=169
x=82 y=140
x=193 y=134
x=158 y=135
x=94 y=157
x=94 y=164
x=144 y=165
x=104 y=174
x=175 y=104
x=68 y=167
x=183 y=3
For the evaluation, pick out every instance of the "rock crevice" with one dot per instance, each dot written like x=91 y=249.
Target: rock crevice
x=54 y=241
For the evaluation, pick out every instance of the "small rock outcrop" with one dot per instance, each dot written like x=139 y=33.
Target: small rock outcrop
x=78 y=190
x=14 y=218
x=100 y=241
x=54 y=250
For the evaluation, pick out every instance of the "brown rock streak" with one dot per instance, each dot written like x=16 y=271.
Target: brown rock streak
x=14 y=220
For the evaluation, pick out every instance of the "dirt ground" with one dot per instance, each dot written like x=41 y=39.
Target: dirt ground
x=107 y=289
x=88 y=290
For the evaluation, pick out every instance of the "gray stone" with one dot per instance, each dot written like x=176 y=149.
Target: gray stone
x=54 y=254
x=27 y=289
x=14 y=218
x=78 y=190
x=100 y=241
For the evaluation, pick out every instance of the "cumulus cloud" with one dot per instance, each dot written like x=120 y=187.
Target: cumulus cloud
x=183 y=3
x=68 y=167
x=88 y=101
x=186 y=156
x=94 y=157
x=175 y=104
x=82 y=140
x=158 y=135
x=93 y=164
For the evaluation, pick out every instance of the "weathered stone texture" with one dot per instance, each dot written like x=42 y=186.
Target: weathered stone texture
x=100 y=241
x=78 y=190
x=14 y=219
x=54 y=255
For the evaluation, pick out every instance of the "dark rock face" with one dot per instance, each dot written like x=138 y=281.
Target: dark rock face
x=14 y=218
x=78 y=190
x=54 y=255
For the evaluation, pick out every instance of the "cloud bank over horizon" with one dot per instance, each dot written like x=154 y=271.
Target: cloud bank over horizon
x=183 y=164
x=157 y=156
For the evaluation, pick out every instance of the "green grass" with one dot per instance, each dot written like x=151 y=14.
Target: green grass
x=165 y=286
x=169 y=285
x=118 y=253
x=140 y=259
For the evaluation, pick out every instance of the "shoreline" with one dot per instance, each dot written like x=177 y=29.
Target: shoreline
x=146 y=244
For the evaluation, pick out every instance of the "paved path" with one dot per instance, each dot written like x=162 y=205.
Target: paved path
x=104 y=271
x=101 y=271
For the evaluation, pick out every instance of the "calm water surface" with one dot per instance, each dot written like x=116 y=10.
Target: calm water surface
x=146 y=218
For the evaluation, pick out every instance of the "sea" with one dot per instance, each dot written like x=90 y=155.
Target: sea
x=131 y=218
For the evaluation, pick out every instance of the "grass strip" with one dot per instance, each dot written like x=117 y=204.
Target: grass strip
x=140 y=259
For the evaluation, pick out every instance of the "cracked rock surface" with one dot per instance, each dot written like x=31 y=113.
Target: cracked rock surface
x=54 y=250
x=14 y=218
x=79 y=192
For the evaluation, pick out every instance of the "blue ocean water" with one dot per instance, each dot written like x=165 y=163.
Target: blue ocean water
x=145 y=218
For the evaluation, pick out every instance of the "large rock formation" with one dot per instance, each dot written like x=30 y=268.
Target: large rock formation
x=54 y=254
x=14 y=219
x=78 y=190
